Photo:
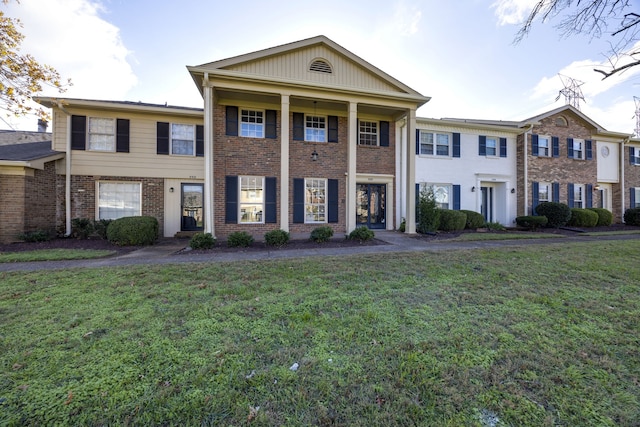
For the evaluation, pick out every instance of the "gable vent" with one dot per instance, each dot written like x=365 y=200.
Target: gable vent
x=321 y=66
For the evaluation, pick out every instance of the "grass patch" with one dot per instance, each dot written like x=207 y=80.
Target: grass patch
x=473 y=237
x=54 y=255
x=525 y=336
x=611 y=233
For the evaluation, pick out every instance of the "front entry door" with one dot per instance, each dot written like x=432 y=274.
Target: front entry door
x=192 y=210
x=371 y=205
x=487 y=203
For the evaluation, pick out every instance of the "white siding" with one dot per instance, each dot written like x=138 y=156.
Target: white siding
x=609 y=166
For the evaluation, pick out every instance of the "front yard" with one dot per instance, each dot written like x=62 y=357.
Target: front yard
x=539 y=336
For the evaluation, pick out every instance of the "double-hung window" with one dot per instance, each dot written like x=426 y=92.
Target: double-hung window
x=634 y=153
x=543 y=146
x=102 y=134
x=434 y=143
x=635 y=201
x=492 y=146
x=182 y=139
x=118 y=199
x=578 y=149
x=252 y=123
x=368 y=134
x=315 y=202
x=544 y=192
x=315 y=129
x=578 y=196
x=251 y=199
x=442 y=194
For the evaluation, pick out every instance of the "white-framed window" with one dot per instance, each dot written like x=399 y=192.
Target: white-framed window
x=578 y=196
x=442 y=193
x=635 y=155
x=578 y=149
x=251 y=123
x=251 y=200
x=102 y=134
x=435 y=143
x=183 y=139
x=315 y=128
x=368 y=133
x=637 y=198
x=118 y=199
x=545 y=192
x=544 y=146
x=491 y=146
x=315 y=200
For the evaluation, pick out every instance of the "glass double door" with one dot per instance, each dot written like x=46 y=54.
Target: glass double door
x=371 y=205
x=192 y=207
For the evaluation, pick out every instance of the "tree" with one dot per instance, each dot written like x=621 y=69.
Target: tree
x=593 y=17
x=21 y=76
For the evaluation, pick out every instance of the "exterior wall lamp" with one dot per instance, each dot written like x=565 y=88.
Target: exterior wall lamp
x=513 y=190
x=314 y=155
x=473 y=189
x=171 y=190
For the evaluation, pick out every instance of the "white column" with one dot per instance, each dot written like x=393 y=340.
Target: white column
x=410 y=226
x=209 y=186
x=284 y=162
x=352 y=149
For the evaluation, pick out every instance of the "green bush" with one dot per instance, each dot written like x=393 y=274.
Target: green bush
x=81 y=228
x=239 y=239
x=276 y=238
x=474 y=219
x=202 y=241
x=403 y=226
x=361 y=233
x=532 y=222
x=558 y=214
x=428 y=219
x=632 y=216
x=100 y=227
x=495 y=226
x=133 y=230
x=451 y=220
x=605 y=217
x=35 y=236
x=583 y=218
x=321 y=234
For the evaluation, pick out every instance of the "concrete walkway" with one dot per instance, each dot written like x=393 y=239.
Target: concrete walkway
x=169 y=251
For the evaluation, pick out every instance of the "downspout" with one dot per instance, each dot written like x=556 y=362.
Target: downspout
x=525 y=190
x=623 y=190
x=67 y=163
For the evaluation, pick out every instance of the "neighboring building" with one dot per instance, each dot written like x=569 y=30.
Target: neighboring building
x=631 y=165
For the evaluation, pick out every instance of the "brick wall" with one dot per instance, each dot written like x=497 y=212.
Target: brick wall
x=12 y=205
x=40 y=200
x=632 y=177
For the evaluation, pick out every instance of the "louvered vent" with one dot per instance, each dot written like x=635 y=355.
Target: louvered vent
x=321 y=66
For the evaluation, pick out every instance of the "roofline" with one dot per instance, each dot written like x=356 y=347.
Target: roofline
x=37 y=163
x=51 y=102
x=470 y=124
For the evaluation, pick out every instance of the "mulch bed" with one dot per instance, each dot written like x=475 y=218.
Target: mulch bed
x=292 y=244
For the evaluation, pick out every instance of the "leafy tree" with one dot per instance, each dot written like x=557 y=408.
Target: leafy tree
x=593 y=17
x=21 y=76
x=428 y=219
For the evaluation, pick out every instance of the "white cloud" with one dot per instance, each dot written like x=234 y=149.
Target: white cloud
x=406 y=19
x=511 y=12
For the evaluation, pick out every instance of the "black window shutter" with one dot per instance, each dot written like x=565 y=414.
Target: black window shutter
x=589 y=195
x=456 y=197
x=298 y=200
x=555 y=146
x=122 y=135
x=456 y=145
x=482 y=145
x=417 y=203
x=631 y=153
x=162 y=138
x=570 y=148
x=556 y=192
x=231 y=121
x=298 y=126
x=333 y=128
x=332 y=200
x=534 y=145
x=588 y=149
x=384 y=134
x=231 y=199
x=632 y=197
x=271 y=124
x=78 y=132
x=570 y=198
x=417 y=141
x=199 y=140
x=270 y=205
x=535 y=199
x=503 y=147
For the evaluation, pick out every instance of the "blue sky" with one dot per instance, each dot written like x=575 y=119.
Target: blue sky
x=459 y=53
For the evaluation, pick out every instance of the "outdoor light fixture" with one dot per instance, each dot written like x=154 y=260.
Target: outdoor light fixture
x=171 y=190
x=513 y=190
x=314 y=155
x=473 y=189
x=596 y=187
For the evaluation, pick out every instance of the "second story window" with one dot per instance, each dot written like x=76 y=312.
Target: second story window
x=102 y=134
x=252 y=123
x=434 y=144
x=492 y=144
x=368 y=133
x=543 y=146
x=315 y=129
x=182 y=139
x=578 y=147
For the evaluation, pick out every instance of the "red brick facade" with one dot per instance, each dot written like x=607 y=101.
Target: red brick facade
x=631 y=176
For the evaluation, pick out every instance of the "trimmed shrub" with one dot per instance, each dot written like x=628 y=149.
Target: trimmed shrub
x=495 y=226
x=532 y=222
x=202 y=241
x=100 y=227
x=605 y=217
x=239 y=239
x=35 y=236
x=82 y=228
x=583 y=218
x=632 y=216
x=428 y=219
x=558 y=214
x=361 y=233
x=276 y=238
x=474 y=219
x=451 y=220
x=321 y=234
x=403 y=226
x=133 y=230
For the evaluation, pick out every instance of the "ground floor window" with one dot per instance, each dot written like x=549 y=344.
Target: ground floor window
x=578 y=192
x=544 y=192
x=315 y=203
x=635 y=199
x=441 y=193
x=118 y=199
x=251 y=199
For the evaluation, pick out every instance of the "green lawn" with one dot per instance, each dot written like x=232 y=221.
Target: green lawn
x=540 y=336
x=53 y=255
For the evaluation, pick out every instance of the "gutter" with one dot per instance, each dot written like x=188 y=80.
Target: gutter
x=623 y=190
x=526 y=173
x=67 y=164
